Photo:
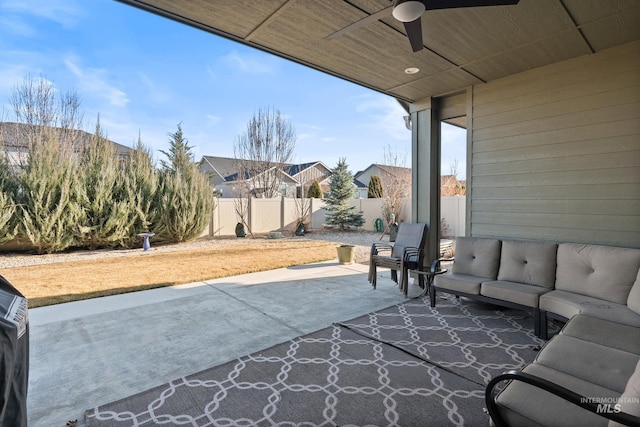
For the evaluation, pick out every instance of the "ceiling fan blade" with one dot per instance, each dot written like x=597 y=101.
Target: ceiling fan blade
x=452 y=4
x=414 y=32
x=364 y=21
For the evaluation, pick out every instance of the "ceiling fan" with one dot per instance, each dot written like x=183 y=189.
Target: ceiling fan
x=409 y=12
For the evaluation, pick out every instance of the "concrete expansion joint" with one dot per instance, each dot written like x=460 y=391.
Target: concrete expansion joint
x=256 y=309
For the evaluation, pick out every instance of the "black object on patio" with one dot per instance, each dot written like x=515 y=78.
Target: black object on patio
x=14 y=356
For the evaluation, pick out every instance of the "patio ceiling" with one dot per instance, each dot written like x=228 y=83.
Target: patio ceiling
x=462 y=47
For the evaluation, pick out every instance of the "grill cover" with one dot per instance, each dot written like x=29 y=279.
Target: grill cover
x=14 y=356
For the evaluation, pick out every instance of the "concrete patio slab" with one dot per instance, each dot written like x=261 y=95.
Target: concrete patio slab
x=96 y=351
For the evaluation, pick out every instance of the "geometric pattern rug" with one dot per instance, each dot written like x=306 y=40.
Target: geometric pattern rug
x=408 y=365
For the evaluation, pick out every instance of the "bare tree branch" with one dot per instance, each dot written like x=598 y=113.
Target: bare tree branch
x=262 y=152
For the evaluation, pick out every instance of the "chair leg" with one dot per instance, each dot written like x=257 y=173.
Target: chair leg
x=536 y=322
x=432 y=292
x=373 y=275
x=394 y=276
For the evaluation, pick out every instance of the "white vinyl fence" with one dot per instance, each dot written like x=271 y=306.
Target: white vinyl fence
x=266 y=215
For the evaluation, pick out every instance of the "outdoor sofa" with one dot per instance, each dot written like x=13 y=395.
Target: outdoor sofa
x=588 y=373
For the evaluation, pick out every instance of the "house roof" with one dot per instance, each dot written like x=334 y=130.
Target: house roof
x=226 y=167
x=10 y=131
x=394 y=170
x=461 y=47
x=294 y=169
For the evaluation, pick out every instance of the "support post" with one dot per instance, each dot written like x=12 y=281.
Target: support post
x=425 y=165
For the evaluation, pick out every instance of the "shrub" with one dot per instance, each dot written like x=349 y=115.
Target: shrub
x=108 y=216
x=186 y=194
x=48 y=197
x=8 y=217
x=314 y=191
x=374 y=190
x=141 y=189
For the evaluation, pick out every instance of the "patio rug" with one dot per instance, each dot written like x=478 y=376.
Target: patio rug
x=408 y=365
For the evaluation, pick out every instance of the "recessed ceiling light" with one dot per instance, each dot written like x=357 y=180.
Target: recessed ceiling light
x=412 y=70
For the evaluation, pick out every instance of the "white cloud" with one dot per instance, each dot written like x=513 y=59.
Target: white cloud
x=248 y=64
x=11 y=75
x=94 y=81
x=386 y=113
x=65 y=12
x=14 y=25
x=214 y=120
x=154 y=92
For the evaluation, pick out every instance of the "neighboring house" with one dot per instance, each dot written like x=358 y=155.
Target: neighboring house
x=296 y=178
x=14 y=140
x=449 y=184
x=396 y=175
x=306 y=173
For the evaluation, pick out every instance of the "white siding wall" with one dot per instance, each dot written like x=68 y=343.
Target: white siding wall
x=555 y=152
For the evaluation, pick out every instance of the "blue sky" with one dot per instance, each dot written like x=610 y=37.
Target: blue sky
x=143 y=73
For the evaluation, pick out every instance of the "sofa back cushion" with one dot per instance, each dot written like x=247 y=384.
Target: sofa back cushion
x=634 y=296
x=477 y=257
x=602 y=272
x=530 y=262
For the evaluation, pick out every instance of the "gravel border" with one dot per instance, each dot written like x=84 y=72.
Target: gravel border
x=362 y=240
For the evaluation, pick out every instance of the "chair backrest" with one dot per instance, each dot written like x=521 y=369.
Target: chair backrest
x=410 y=235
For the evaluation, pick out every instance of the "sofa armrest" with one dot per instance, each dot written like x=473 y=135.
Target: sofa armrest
x=434 y=266
x=551 y=387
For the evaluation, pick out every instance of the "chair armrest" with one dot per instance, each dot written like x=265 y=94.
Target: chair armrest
x=563 y=393
x=434 y=266
x=379 y=247
x=411 y=252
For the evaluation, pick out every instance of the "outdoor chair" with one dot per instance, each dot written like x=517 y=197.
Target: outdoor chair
x=407 y=253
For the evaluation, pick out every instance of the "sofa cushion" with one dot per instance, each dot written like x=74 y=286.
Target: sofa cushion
x=604 y=332
x=603 y=272
x=477 y=257
x=633 y=302
x=517 y=293
x=568 y=304
x=530 y=262
x=629 y=401
x=607 y=367
x=459 y=283
x=521 y=404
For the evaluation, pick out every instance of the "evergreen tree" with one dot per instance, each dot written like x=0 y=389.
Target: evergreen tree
x=314 y=191
x=48 y=197
x=186 y=194
x=179 y=156
x=340 y=194
x=107 y=216
x=374 y=190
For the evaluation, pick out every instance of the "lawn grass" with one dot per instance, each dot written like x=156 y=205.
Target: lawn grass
x=71 y=281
